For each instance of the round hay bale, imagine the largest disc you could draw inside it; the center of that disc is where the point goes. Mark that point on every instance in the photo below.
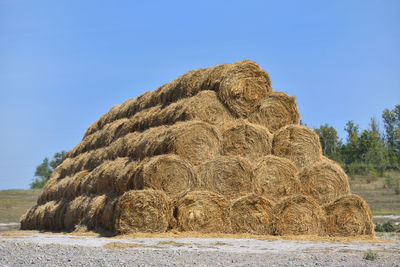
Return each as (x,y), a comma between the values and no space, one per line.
(244,87)
(251,214)
(325,181)
(276,177)
(349,216)
(96,207)
(298,215)
(241,138)
(143,211)
(194,141)
(76,211)
(276,111)
(227,175)
(203,211)
(205,106)
(297,143)
(105,220)
(168,173)
(28,220)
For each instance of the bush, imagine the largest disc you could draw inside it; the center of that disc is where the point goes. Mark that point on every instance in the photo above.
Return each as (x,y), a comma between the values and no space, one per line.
(384,227)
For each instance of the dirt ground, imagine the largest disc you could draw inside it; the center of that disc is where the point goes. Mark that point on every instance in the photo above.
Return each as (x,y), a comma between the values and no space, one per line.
(55,249)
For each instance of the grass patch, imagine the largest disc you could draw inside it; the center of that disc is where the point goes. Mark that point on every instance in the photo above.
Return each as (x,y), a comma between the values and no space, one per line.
(370,255)
(384,212)
(14,203)
(172,243)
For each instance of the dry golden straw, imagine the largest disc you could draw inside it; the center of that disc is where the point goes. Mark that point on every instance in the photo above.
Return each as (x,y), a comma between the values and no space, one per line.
(203,211)
(276,111)
(298,215)
(276,177)
(143,211)
(227,175)
(241,138)
(325,181)
(349,216)
(251,214)
(297,143)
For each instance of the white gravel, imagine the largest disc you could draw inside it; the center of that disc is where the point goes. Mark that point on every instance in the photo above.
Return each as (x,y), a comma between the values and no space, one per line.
(43,249)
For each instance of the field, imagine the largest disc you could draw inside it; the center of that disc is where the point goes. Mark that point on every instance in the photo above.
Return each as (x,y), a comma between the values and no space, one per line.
(14,203)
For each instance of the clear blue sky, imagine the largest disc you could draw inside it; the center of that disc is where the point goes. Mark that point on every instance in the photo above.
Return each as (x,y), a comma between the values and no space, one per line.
(65,63)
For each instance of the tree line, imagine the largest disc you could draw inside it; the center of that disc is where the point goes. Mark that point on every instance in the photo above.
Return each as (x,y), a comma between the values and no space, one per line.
(365,151)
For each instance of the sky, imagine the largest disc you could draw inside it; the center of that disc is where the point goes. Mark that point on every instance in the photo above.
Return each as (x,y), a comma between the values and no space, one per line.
(65,63)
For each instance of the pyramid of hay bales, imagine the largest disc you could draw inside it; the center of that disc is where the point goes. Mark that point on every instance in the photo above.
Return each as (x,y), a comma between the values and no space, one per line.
(214,151)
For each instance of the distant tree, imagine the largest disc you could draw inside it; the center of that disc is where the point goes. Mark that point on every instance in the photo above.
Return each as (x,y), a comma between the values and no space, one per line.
(391,122)
(329,141)
(351,149)
(44,170)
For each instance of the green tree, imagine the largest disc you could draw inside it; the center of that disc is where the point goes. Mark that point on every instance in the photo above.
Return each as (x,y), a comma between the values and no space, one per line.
(44,170)
(329,141)
(391,122)
(351,148)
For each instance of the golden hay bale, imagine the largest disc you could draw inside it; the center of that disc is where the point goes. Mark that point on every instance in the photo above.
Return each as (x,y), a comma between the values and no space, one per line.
(50,216)
(106,217)
(251,214)
(244,87)
(76,211)
(297,143)
(298,215)
(203,211)
(349,216)
(324,180)
(276,111)
(241,138)
(110,177)
(96,207)
(122,147)
(276,177)
(143,211)
(230,176)
(28,219)
(194,141)
(168,173)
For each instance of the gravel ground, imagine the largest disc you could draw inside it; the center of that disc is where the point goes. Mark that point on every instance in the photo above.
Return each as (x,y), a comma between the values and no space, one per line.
(43,249)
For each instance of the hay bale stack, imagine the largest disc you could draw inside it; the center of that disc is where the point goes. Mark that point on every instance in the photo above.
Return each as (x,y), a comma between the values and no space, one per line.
(277,177)
(241,138)
(216,141)
(230,176)
(203,211)
(349,216)
(277,110)
(297,143)
(298,215)
(325,181)
(143,211)
(251,214)
(168,173)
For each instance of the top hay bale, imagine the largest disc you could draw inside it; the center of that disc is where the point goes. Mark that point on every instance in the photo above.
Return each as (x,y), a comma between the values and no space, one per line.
(241,86)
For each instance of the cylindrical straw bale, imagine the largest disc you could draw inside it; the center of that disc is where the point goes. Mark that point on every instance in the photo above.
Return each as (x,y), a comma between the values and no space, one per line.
(105,220)
(276,111)
(251,214)
(349,216)
(203,211)
(325,181)
(298,215)
(143,211)
(168,173)
(276,177)
(28,220)
(76,211)
(241,138)
(194,141)
(244,87)
(297,143)
(227,175)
